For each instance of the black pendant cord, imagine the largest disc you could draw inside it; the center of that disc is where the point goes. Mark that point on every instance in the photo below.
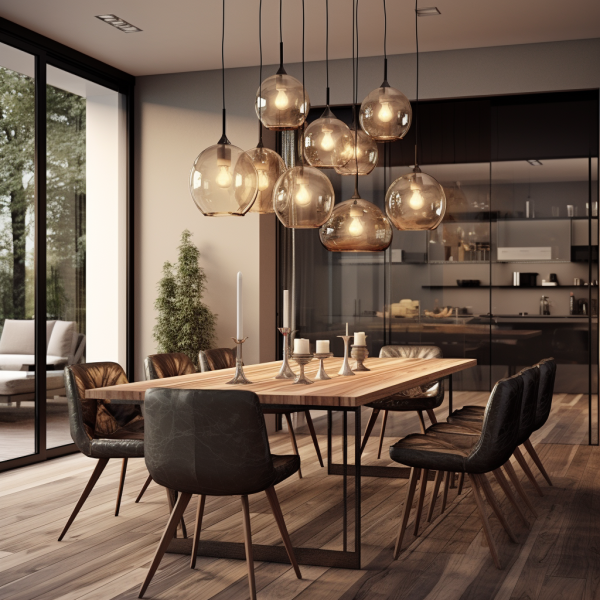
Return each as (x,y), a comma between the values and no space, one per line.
(355,99)
(417,100)
(301,153)
(281,69)
(223,139)
(385,81)
(260,135)
(327,49)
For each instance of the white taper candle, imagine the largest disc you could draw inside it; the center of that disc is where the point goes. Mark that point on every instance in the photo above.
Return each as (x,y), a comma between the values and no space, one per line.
(286,308)
(240,319)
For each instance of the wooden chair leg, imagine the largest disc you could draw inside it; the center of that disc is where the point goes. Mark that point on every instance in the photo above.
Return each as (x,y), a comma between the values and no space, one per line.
(369,429)
(167,536)
(412,486)
(421,421)
(121,484)
(461,482)
(501,479)
(514,478)
(436,488)
(293,440)
(523,464)
(422,490)
(313,435)
(484,520)
(197,529)
(446,488)
(172,500)
(536,459)
(144,488)
(382,434)
(276,510)
(100,465)
(248,544)
(489,495)
(431,416)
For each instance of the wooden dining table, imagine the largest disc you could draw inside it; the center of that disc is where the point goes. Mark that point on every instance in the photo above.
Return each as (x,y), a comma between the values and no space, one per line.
(347,394)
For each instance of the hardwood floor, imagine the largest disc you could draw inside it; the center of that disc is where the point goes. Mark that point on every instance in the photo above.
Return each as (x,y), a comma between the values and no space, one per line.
(105,557)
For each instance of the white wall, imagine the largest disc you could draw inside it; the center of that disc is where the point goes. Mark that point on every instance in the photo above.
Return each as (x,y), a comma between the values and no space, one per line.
(179,115)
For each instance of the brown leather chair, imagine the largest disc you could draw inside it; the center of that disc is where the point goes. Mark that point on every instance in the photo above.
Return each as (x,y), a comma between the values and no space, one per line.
(101,430)
(224,358)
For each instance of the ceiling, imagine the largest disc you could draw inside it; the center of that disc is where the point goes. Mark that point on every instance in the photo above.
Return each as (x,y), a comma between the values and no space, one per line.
(184,35)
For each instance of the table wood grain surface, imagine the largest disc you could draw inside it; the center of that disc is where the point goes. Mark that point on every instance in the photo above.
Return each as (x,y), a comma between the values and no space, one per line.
(387,376)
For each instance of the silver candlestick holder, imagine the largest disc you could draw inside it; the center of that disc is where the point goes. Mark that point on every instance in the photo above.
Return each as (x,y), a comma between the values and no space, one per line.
(302,360)
(322,375)
(239,378)
(286,371)
(346,371)
(359,354)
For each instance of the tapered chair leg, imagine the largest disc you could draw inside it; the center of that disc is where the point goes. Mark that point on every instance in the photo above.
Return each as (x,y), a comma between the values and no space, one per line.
(369,429)
(276,510)
(248,544)
(484,520)
(293,440)
(167,536)
(382,434)
(421,421)
(523,464)
(412,486)
(499,475)
(172,501)
(536,459)
(431,416)
(461,482)
(422,490)
(489,495)
(313,435)
(514,478)
(121,484)
(446,488)
(144,488)
(436,488)
(100,465)
(197,529)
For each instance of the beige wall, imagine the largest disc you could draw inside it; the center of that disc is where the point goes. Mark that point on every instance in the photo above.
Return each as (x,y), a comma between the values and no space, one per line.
(178,115)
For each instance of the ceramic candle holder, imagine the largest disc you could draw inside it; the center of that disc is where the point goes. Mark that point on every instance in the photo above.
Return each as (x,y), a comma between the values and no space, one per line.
(359,354)
(302,360)
(346,371)
(321,374)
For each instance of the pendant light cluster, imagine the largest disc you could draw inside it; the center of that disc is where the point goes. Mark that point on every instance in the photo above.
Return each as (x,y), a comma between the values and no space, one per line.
(227,181)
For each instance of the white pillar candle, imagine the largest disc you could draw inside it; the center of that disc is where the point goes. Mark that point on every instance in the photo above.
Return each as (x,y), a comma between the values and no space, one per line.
(360,339)
(322,346)
(346,328)
(240,322)
(301,346)
(286,308)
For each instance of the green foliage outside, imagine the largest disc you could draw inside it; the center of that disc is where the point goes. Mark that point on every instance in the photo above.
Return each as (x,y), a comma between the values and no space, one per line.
(184,323)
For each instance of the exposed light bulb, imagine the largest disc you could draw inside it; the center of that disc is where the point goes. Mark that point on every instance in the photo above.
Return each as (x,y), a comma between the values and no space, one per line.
(281,102)
(263,178)
(224,178)
(385,112)
(302,195)
(327,142)
(356,227)
(416,201)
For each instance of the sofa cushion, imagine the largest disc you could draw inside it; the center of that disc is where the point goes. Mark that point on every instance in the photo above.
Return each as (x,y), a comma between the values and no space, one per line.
(23,382)
(61,340)
(18,336)
(22,362)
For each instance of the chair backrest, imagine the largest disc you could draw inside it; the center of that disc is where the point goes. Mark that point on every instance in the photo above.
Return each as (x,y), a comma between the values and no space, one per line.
(410,352)
(88,418)
(500,430)
(211,442)
(531,384)
(546,391)
(159,366)
(217,358)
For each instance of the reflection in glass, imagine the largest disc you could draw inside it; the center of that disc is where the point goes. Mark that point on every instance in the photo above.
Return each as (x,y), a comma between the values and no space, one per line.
(269,167)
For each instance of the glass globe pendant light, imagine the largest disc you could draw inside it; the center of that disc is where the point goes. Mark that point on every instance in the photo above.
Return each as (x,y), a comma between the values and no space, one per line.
(356,225)
(268,164)
(281,100)
(385,113)
(416,201)
(223,180)
(326,139)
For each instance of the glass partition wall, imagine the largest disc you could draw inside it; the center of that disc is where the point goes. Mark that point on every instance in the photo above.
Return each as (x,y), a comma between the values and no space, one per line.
(508,278)
(63,238)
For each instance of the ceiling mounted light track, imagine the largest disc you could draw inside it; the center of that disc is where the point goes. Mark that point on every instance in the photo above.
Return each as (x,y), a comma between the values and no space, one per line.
(120,24)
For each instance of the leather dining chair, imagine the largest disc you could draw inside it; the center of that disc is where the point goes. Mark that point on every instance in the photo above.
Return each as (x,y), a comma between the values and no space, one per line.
(101,430)
(224,358)
(213,443)
(422,398)
(497,442)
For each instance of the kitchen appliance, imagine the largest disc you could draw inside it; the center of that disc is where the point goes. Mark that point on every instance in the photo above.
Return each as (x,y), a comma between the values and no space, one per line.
(527,279)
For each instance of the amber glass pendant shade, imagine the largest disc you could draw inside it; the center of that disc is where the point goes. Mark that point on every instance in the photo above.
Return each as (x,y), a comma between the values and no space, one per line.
(356,225)
(282,103)
(269,168)
(415,202)
(365,148)
(386,114)
(303,198)
(325,141)
(223,181)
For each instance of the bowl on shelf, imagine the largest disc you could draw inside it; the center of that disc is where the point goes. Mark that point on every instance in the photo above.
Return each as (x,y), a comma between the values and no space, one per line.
(468,282)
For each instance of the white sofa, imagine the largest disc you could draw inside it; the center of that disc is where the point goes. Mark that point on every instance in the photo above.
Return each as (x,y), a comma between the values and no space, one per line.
(65,346)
